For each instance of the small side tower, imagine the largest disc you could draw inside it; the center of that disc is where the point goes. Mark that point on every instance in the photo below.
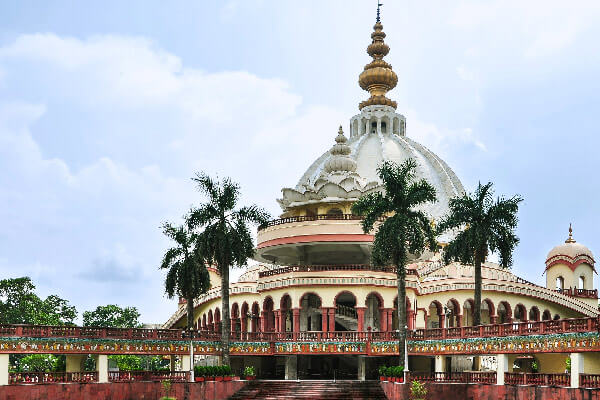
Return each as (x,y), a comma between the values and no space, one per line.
(570,268)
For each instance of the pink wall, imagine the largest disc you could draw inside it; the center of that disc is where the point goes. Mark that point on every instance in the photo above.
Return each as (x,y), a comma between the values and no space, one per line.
(120,391)
(460,391)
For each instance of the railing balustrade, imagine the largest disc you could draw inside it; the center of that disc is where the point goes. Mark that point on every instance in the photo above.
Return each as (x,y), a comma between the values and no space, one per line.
(15,378)
(496,330)
(128,376)
(584,293)
(589,380)
(333,267)
(308,218)
(537,379)
(454,377)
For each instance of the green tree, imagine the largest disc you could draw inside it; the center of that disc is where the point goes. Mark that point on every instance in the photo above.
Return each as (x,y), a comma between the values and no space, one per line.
(187,275)
(40,363)
(405,231)
(112,315)
(20,305)
(485,225)
(226,240)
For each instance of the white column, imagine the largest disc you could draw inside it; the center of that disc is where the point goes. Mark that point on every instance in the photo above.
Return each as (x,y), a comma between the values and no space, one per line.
(4,369)
(102,367)
(185,362)
(362,368)
(379,126)
(576,368)
(501,368)
(440,363)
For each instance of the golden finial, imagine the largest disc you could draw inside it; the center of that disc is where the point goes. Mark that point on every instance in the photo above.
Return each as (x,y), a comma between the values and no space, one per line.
(570,238)
(378,78)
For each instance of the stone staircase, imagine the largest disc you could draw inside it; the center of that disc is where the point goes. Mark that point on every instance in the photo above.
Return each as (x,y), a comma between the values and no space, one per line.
(313,390)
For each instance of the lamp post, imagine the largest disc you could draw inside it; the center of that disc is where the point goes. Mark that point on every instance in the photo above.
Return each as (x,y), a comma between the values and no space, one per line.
(191,334)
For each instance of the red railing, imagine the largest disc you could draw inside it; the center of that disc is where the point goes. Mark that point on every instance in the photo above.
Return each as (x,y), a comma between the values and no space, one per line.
(308,218)
(321,268)
(537,379)
(585,293)
(454,377)
(128,376)
(497,330)
(589,380)
(16,378)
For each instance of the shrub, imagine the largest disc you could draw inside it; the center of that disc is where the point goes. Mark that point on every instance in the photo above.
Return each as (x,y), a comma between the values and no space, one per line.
(249,371)
(418,391)
(382,370)
(199,371)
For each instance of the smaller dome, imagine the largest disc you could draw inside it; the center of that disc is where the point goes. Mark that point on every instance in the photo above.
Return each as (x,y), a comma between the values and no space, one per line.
(340,151)
(570,253)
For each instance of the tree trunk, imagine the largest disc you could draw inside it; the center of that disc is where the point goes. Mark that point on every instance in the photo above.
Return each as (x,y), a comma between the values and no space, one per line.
(401,280)
(190,311)
(477,300)
(225,321)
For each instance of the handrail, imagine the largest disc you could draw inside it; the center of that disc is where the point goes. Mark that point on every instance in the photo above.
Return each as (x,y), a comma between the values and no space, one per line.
(319,217)
(584,293)
(569,325)
(333,267)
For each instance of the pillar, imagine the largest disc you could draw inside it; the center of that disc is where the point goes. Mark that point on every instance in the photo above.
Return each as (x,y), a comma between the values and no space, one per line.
(75,362)
(244,326)
(277,318)
(360,311)
(331,319)
(501,368)
(459,320)
(102,368)
(362,368)
(291,367)
(378,125)
(324,319)
(263,321)
(442,319)
(410,320)
(296,315)
(576,368)
(390,316)
(383,320)
(282,320)
(185,362)
(172,363)
(493,319)
(4,369)
(253,323)
(440,363)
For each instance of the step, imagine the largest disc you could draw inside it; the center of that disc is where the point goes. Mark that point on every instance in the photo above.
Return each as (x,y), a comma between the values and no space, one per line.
(325,390)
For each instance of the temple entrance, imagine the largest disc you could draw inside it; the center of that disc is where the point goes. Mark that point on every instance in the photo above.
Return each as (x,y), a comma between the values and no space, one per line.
(324,367)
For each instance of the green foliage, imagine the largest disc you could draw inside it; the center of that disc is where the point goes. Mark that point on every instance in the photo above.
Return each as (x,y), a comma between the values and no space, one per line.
(226,240)
(484,225)
(418,391)
(406,230)
(249,371)
(112,316)
(20,305)
(568,364)
(187,275)
(40,363)
(223,370)
(534,366)
(166,385)
(382,370)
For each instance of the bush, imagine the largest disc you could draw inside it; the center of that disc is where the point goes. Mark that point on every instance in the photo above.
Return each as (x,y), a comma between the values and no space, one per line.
(417,390)
(249,371)
(382,370)
(199,371)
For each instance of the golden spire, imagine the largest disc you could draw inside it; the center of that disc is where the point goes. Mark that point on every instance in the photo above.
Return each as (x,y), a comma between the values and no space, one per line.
(570,238)
(378,78)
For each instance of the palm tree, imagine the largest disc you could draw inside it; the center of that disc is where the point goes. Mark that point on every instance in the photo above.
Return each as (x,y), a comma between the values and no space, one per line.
(486,225)
(187,276)
(226,241)
(405,231)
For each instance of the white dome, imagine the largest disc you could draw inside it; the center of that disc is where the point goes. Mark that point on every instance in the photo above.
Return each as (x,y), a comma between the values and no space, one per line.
(369,151)
(571,250)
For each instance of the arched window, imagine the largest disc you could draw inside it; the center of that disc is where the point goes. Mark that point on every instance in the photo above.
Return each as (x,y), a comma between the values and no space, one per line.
(560,283)
(556,317)
(582,282)
(547,316)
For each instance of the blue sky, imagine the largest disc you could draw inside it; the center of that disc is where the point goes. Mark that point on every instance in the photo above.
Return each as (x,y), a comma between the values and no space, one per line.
(108,108)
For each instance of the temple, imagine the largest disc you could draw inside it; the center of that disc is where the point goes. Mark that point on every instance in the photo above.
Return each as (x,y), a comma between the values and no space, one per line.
(314,305)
